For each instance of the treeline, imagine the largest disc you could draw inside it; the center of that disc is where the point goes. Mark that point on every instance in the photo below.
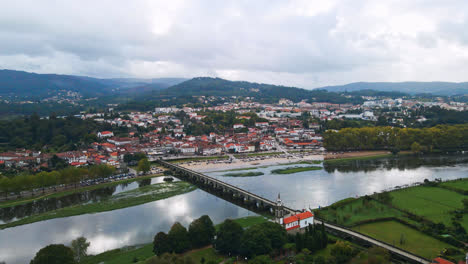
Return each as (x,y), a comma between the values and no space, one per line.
(52,135)
(44,179)
(231,239)
(438,138)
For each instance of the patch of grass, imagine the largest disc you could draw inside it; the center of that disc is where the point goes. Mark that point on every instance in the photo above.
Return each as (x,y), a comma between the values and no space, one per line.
(290,170)
(346,160)
(414,241)
(122,255)
(244,174)
(208,253)
(59,194)
(248,221)
(457,185)
(352,213)
(432,203)
(130,198)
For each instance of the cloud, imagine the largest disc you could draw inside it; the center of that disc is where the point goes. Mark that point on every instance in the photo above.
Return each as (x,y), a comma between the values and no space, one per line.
(305,43)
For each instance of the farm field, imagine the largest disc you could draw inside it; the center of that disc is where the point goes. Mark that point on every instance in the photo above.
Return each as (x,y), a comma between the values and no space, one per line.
(461,184)
(433,203)
(404,237)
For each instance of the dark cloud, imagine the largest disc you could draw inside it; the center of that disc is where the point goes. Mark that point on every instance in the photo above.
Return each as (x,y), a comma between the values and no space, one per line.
(305,43)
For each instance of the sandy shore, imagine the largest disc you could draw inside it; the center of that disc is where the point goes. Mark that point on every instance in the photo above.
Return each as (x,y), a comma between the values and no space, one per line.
(203,166)
(354,154)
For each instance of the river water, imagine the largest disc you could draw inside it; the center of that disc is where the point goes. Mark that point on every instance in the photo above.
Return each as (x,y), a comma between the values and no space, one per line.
(139,224)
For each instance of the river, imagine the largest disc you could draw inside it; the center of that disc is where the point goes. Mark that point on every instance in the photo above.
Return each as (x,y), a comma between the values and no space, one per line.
(139,224)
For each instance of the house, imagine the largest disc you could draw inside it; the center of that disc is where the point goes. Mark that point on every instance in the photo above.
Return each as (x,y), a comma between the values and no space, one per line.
(105,134)
(75,157)
(298,221)
(237,126)
(261,124)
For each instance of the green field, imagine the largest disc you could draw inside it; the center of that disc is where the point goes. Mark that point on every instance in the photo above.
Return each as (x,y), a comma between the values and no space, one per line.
(414,241)
(291,170)
(357,211)
(432,203)
(346,160)
(72,191)
(459,185)
(130,198)
(244,174)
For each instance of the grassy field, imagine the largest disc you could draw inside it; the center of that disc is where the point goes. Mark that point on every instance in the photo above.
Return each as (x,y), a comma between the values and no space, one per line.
(244,174)
(208,253)
(357,211)
(346,160)
(414,241)
(72,191)
(432,203)
(130,198)
(290,170)
(461,184)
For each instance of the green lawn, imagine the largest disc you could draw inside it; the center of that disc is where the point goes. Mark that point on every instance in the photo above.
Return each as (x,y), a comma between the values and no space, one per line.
(431,202)
(461,184)
(291,170)
(122,255)
(358,211)
(130,198)
(415,241)
(244,174)
(72,191)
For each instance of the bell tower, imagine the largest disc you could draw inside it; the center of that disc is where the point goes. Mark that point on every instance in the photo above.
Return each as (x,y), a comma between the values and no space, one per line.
(279,211)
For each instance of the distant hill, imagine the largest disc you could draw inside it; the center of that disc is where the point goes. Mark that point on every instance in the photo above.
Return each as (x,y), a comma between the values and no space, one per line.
(208,86)
(436,88)
(25,84)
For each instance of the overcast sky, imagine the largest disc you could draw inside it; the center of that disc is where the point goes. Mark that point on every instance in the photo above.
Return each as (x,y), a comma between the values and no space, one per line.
(299,43)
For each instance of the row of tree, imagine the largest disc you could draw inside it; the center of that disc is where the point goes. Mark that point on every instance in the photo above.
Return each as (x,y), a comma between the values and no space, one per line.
(441,137)
(68,175)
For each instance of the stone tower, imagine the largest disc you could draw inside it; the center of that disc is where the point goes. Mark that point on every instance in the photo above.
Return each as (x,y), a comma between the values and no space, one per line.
(279,211)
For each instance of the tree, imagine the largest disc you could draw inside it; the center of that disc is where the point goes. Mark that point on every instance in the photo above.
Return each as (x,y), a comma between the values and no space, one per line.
(228,237)
(342,251)
(144,165)
(54,254)
(178,238)
(80,248)
(161,244)
(416,147)
(254,242)
(201,232)
(262,259)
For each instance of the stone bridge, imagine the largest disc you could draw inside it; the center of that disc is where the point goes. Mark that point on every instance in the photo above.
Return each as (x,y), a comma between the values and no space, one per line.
(280,210)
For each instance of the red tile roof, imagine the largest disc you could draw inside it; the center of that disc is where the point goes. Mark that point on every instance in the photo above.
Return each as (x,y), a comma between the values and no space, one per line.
(441,261)
(301,216)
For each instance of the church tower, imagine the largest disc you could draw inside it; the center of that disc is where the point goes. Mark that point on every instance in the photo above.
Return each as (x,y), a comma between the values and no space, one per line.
(279,211)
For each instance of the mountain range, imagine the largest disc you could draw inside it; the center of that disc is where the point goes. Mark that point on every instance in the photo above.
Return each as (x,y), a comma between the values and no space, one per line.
(25,84)
(436,88)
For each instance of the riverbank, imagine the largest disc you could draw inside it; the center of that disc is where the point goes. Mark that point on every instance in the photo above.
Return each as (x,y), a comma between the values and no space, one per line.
(79,189)
(244,164)
(425,220)
(130,198)
(142,252)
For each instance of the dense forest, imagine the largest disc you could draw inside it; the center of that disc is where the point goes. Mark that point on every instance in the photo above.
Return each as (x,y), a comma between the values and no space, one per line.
(51,135)
(438,138)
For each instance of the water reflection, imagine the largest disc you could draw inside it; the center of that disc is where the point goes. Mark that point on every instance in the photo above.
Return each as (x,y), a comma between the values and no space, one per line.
(20,211)
(114,229)
(324,187)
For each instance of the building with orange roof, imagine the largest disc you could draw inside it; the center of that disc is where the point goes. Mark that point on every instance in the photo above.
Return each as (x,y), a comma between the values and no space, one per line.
(298,221)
